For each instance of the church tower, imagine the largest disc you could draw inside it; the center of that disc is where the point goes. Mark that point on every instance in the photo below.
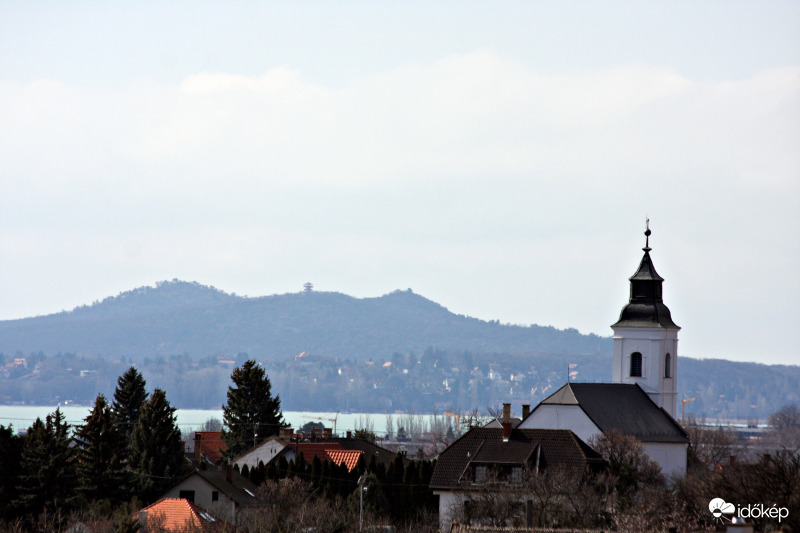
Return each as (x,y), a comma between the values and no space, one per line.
(646,338)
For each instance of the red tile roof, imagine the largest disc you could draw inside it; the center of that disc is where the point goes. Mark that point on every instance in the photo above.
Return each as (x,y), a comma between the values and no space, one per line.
(348,457)
(179,514)
(210,444)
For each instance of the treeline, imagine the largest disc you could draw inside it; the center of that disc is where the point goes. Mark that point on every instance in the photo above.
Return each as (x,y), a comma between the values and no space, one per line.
(437,379)
(126,452)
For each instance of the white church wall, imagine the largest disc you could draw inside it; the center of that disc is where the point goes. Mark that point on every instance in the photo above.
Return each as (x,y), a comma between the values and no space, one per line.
(561,417)
(671,456)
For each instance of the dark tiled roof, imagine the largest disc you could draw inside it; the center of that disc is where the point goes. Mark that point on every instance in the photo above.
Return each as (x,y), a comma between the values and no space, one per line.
(485,446)
(626,408)
(239,489)
(326,448)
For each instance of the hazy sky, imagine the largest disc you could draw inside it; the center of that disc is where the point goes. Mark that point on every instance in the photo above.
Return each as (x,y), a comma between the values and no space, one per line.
(499,158)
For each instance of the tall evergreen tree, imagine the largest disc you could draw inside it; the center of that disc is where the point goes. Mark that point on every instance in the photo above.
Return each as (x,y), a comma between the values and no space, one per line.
(100,455)
(47,477)
(251,413)
(156,449)
(10,450)
(129,396)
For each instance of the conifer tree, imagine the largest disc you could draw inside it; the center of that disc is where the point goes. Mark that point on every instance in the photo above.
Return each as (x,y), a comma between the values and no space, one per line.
(100,456)
(10,450)
(251,413)
(129,396)
(47,477)
(156,450)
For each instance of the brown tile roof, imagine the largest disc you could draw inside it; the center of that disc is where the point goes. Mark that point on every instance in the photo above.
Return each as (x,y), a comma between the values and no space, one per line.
(210,444)
(179,514)
(486,446)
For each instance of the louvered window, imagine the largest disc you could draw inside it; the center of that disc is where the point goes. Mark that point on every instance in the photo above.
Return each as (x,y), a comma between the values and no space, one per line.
(636,365)
(668,366)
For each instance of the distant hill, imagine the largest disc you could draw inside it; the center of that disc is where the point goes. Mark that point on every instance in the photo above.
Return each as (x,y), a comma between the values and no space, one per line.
(397,351)
(179,317)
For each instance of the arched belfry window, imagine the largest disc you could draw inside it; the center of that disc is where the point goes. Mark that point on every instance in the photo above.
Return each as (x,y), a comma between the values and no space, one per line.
(668,366)
(636,365)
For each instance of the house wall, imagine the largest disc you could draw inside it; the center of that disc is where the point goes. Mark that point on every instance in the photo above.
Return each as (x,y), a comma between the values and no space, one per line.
(448,501)
(225,508)
(263,453)
(561,417)
(670,455)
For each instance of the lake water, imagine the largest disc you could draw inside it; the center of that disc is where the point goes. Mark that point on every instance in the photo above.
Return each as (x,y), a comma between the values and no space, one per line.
(22,416)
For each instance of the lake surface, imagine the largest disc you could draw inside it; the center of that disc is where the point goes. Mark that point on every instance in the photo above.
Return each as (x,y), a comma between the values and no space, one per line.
(22,416)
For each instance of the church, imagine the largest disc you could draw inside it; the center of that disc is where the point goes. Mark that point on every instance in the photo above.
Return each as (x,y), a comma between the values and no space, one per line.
(641,400)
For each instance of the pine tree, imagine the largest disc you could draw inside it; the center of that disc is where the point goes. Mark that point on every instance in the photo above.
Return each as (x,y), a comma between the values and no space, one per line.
(10,451)
(156,449)
(47,477)
(100,456)
(251,413)
(128,399)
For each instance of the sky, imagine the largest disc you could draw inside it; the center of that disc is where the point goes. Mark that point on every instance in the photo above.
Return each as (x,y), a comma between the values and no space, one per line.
(499,158)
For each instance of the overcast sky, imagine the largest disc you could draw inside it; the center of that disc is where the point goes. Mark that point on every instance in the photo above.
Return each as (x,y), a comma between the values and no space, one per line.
(498,158)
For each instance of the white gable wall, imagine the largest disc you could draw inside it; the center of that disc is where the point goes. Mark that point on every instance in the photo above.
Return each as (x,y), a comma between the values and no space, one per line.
(561,417)
(264,453)
(224,507)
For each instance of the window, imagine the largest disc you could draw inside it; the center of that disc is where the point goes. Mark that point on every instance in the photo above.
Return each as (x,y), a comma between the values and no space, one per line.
(214,496)
(668,366)
(480,474)
(187,495)
(516,474)
(636,365)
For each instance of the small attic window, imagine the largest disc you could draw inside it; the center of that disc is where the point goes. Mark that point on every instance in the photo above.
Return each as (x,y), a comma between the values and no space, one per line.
(668,366)
(636,365)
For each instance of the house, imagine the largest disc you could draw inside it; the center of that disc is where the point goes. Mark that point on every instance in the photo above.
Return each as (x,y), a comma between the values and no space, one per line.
(495,457)
(347,450)
(265,451)
(177,514)
(641,400)
(222,492)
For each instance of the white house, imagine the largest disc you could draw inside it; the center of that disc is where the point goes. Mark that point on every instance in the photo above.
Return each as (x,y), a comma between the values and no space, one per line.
(222,492)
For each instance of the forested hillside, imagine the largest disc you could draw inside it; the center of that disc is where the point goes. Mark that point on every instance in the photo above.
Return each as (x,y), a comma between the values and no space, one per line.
(179,317)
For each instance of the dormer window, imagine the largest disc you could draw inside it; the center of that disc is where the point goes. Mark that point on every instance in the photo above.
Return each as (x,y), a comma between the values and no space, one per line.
(480,474)
(636,365)
(668,366)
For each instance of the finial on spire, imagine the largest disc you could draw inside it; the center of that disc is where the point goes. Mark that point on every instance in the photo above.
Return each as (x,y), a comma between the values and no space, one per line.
(647,233)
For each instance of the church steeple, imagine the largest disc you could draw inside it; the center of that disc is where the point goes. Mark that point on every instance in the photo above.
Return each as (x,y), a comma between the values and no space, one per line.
(646,338)
(645,308)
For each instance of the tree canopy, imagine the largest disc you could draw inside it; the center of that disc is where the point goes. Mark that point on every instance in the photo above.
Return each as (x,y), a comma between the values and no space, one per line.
(251,413)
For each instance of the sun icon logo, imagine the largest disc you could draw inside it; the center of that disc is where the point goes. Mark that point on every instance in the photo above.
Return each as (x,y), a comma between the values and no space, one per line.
(720,507)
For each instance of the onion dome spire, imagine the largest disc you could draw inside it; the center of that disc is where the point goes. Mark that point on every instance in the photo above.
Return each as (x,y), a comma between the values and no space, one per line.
(646,307)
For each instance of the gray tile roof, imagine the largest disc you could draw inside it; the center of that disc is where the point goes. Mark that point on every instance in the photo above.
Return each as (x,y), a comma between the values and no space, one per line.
(626,408)
(485,446)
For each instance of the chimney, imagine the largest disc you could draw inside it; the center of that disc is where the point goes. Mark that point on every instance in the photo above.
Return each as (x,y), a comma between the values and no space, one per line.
(229,474)
(143,518)
(349,434)
(327,432)
(506,421)
(285,434)
(526,410)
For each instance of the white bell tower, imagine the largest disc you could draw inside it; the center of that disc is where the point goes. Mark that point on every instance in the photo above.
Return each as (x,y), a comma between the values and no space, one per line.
(646,338)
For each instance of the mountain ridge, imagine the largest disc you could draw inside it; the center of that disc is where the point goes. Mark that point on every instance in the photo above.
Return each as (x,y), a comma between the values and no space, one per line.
(187,317)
